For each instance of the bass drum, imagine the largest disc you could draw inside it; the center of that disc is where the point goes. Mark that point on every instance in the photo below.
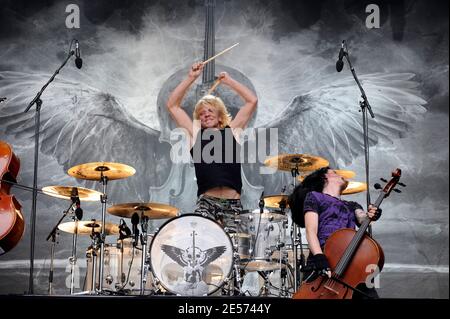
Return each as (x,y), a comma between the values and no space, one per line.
(191,255)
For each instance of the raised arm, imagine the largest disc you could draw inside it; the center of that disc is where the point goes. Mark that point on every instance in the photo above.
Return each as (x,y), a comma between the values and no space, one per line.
(176,97)
(245,113)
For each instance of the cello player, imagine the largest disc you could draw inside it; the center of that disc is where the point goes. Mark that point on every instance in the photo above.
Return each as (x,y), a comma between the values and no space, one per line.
(316,204)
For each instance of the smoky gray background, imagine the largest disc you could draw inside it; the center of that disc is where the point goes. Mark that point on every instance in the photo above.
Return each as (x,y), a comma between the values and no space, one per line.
(287,49)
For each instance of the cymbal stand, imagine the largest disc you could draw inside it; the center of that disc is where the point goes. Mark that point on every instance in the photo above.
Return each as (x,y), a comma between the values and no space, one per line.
(144,226)
(237,285)
(284,261)
(296,239)
(283,254)
(265,289)
(73,258)
(104,199)
(96,237)
(52,235)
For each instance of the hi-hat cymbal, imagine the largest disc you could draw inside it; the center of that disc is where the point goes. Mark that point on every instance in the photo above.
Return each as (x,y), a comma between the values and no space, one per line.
(85,227)
(344,173)
(151,210)
(304,162)
(65,192)
(274,201)
(94,171)
(355,187)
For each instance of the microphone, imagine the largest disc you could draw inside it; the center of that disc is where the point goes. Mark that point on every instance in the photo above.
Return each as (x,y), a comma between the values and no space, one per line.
(261,203)
(78,60)
(124,231)
(76,200)
(78,211)
(340,62)
(135,222)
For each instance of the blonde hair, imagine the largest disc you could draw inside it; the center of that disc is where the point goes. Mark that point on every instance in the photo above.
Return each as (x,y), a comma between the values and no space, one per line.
(217,103)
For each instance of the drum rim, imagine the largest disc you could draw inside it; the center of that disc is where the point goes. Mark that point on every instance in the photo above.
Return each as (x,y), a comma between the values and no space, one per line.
(285,215)
(190,215)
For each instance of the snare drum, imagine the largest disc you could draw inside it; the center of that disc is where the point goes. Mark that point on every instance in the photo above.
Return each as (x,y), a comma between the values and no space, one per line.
(268,235)
(191,255)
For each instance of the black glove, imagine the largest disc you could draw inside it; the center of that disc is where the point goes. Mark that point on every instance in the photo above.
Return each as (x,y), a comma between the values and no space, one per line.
(317,263)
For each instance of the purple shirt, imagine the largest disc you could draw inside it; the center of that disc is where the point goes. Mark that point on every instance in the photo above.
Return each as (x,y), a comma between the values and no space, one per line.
(334,214)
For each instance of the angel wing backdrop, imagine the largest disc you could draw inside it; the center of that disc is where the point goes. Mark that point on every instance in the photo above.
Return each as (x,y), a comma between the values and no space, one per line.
(108,110)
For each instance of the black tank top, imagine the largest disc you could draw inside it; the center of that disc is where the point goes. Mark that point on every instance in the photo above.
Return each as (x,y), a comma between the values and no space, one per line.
(216,156)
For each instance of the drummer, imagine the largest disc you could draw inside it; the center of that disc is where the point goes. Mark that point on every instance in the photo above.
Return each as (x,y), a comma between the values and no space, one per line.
(218,172)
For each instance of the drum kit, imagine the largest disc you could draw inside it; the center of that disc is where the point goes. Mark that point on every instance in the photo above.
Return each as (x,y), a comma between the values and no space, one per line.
(189,255)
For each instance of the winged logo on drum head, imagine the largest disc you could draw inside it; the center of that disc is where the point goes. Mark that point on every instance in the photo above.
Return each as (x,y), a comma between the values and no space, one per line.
(193,259)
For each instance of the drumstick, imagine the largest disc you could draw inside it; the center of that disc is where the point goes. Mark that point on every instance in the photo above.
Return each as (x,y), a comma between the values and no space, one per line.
(219,54)
(215,85)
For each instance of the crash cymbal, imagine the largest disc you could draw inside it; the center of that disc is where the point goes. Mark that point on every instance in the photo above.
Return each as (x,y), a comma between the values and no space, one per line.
(85,227)
(274,201)
(304,162)
(352,187)
(355,187)
(344,173)
(151,210)
(94,171)
(65,192)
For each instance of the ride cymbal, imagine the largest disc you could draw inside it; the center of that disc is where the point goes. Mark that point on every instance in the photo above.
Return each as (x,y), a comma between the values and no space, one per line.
(86,227)
(65,192)
(302,162)
(94,171)
(151,210)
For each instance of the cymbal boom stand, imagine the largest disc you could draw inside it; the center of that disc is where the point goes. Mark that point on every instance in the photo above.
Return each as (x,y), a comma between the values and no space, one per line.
(104,199)
(296,239)
(73,258)
(144,226)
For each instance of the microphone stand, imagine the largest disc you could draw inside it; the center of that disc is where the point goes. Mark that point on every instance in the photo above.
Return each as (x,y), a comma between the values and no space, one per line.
(52,235)
(37,100)
(365,106)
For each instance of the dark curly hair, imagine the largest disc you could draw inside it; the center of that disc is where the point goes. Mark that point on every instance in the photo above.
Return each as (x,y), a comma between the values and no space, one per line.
(313,182)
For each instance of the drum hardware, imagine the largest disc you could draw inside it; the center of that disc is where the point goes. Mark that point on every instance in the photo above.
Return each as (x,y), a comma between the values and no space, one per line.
(295,232)
(144,265)
(236,269)
(102,172)
(265,289)
(124,280)
(283,275)
(93,229)
(95,237)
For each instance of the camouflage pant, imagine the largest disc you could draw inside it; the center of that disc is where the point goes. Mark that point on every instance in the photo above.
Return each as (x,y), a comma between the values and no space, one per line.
(221,210)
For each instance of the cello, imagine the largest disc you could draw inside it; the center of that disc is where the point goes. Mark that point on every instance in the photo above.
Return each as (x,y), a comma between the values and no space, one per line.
(349,253)
(12,223)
